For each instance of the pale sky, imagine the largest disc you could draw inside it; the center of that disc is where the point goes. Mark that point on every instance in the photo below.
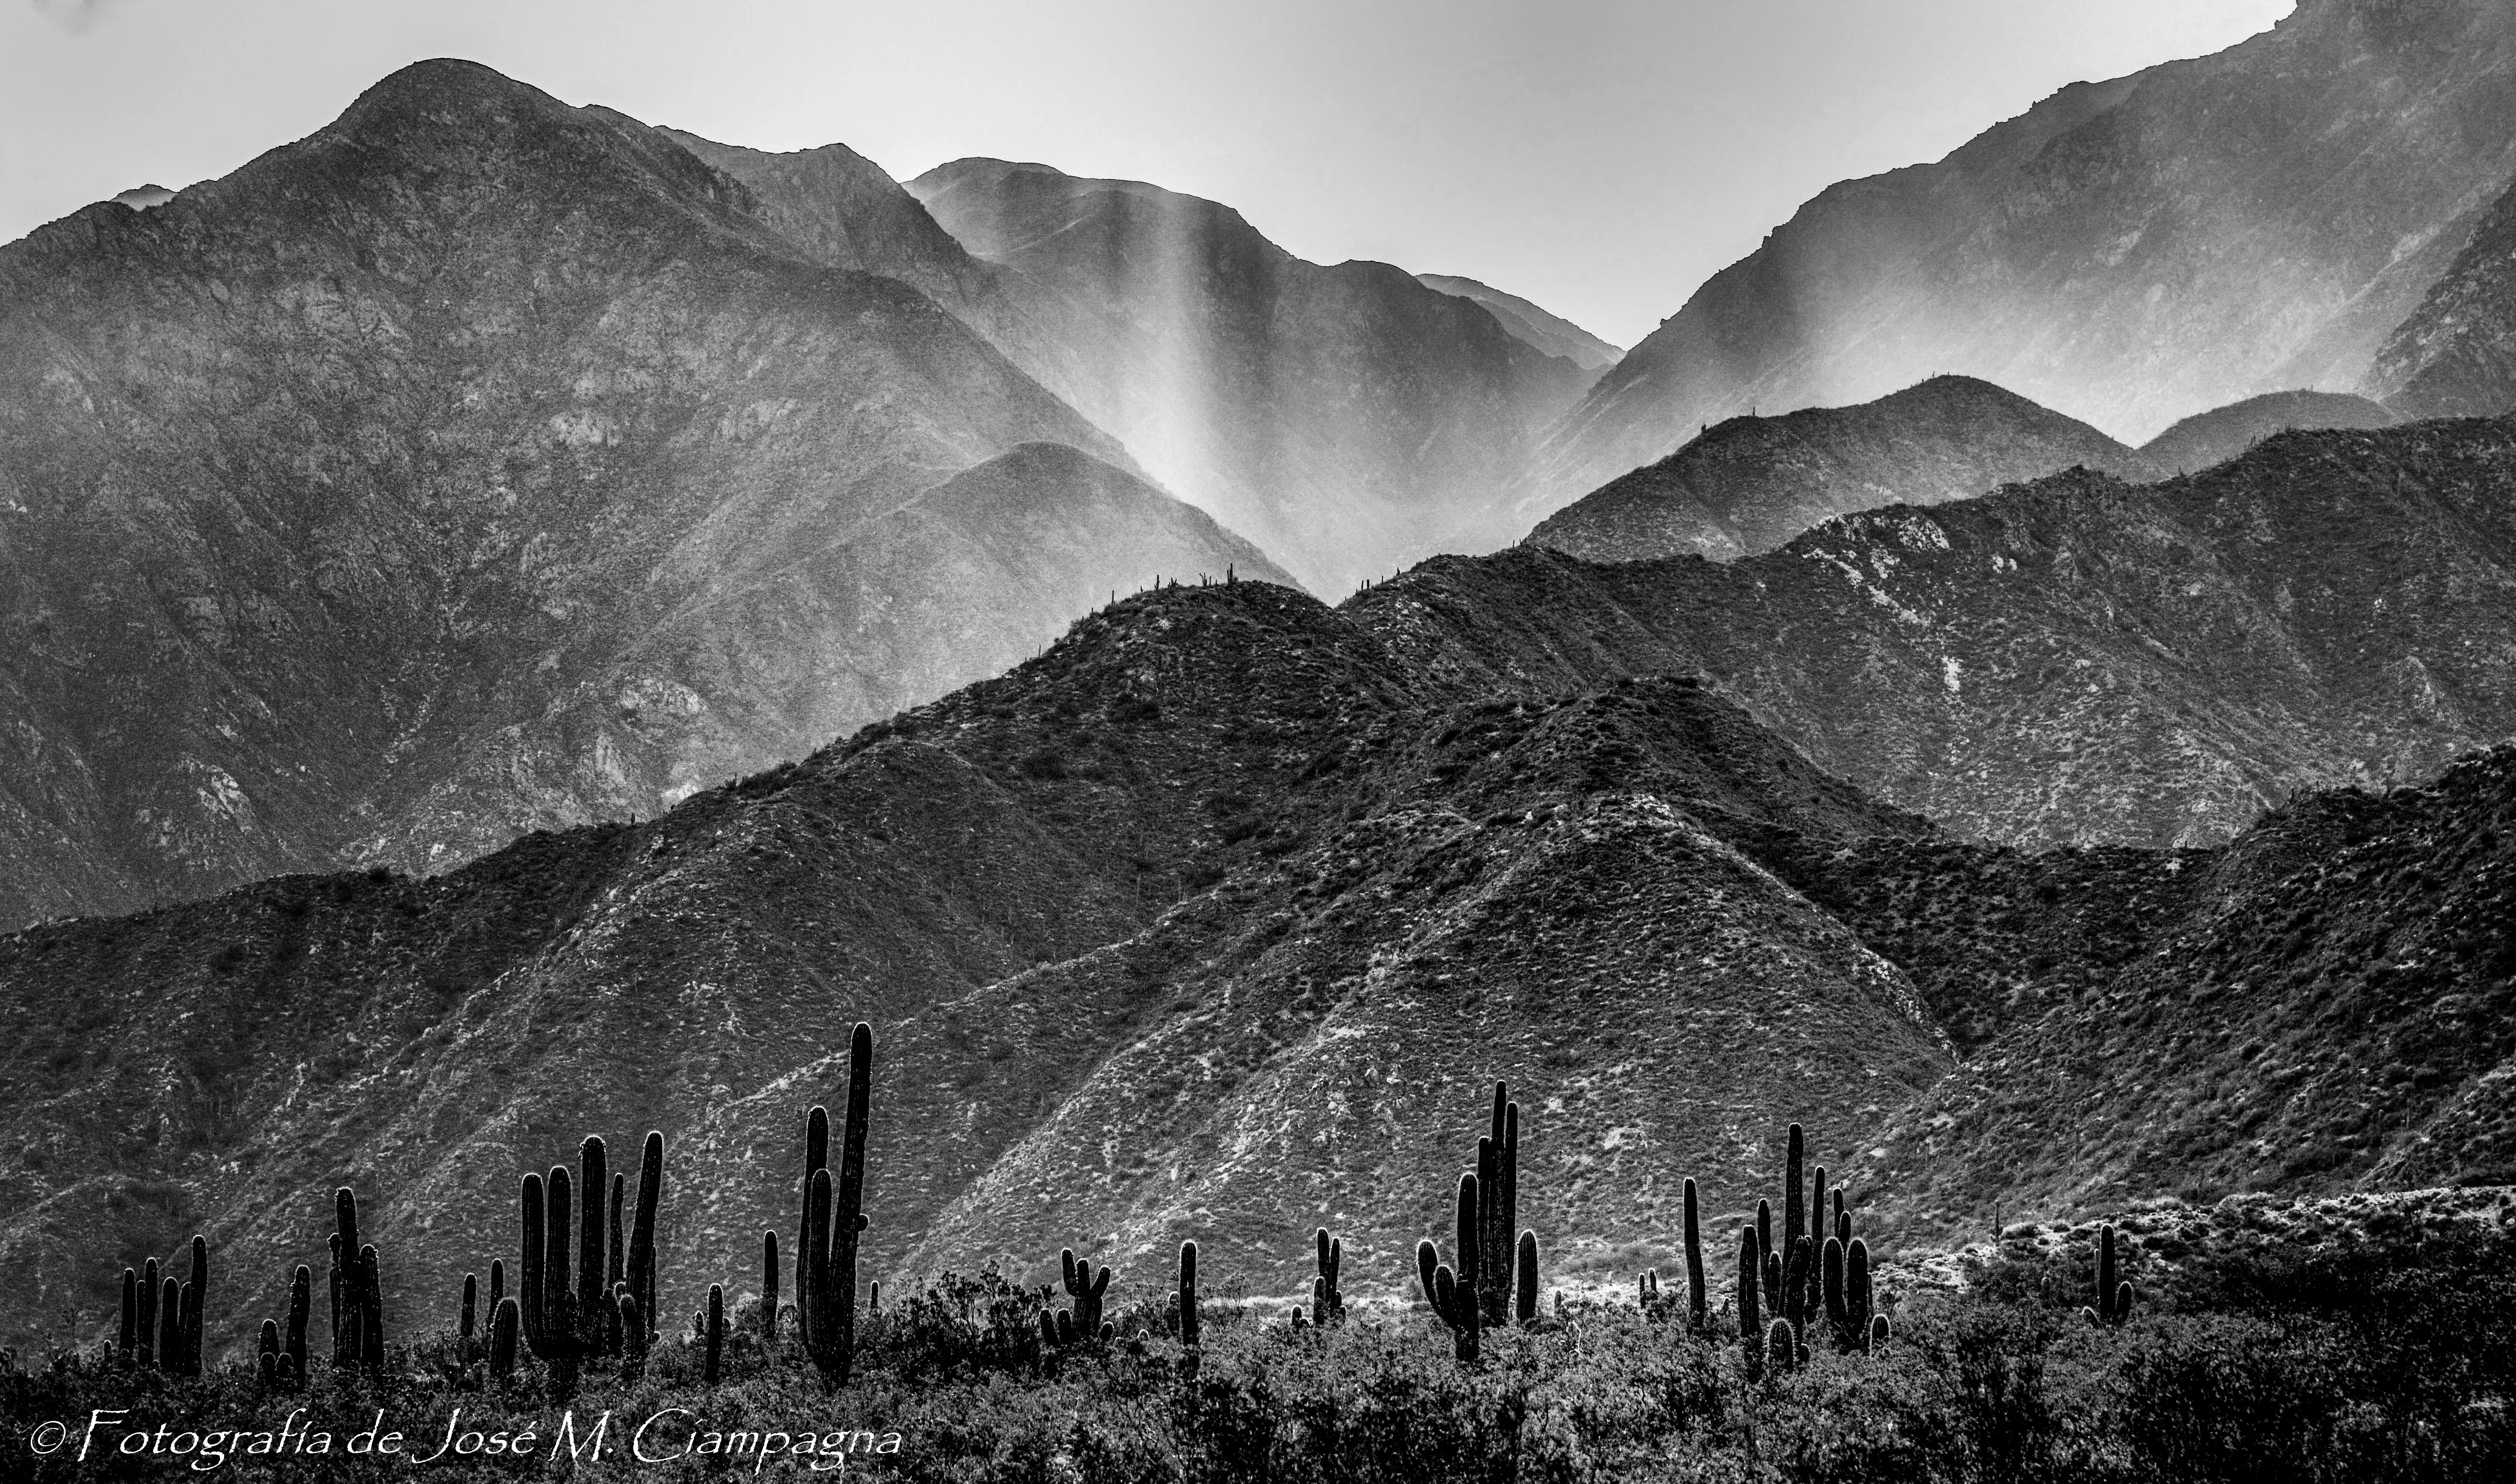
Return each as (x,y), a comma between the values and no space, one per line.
(1602,158)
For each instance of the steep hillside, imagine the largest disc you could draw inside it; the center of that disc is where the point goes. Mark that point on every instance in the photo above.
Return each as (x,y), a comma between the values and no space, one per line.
(2074,661)
(1551,333)
(2223,433)
(480,464)
(1179,922)
(1215,920)
(1348,419)
(1753,483)
(2456,355)
(2136,250)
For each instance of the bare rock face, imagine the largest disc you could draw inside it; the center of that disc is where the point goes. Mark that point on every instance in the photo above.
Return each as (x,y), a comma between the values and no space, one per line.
(2455,355)
(2221,433)
(480,464)
(2074,661)
(2135,251)
(1753,483)
(1347,417)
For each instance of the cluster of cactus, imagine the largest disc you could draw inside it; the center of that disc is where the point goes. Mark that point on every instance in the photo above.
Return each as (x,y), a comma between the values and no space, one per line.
(161,1324)
(833,1221)
(1495,1279)
(609,1308)
(1818,1274)
(1082,1323)
(2114,1294)
(1327,1300)
(357,1293)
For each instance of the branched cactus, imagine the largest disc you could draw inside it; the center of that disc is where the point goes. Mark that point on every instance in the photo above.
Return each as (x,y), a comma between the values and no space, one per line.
(1453,1292)
(1327,1300)
(834,1220)
(1085,1285)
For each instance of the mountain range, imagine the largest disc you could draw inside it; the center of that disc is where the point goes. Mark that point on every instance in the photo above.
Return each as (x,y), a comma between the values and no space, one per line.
(2131,251)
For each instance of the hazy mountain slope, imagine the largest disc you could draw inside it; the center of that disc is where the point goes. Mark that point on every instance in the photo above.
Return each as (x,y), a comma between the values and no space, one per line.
(1348,419)
(421,483)
(2456,355)
(1214,920)
(2223,433)
(2075,660)
(1551,333)
(2136,250)
(1753,483)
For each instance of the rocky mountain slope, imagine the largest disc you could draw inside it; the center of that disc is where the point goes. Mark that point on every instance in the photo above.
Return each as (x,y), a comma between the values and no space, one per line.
(1548,332)
(2223,433)
(2136,251)
(1753,483)
(1347,417)
(2073,661)
(2455,355)
(480,464)
(1215,920)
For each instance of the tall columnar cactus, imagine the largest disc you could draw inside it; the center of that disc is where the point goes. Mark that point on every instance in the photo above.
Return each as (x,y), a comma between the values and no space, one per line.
(1781,1346)
(1764,1233)
(768,1285)
(1876,1339)
(593,1293)
(553,1329)
(1524,1267)
(1856,1287)
(834,1221)
(641,1272)
(333,1273)
(148,1315)
(2113,1296)
(816,1158)
(1453,1292)
(1327,1297)
(266,1355)
(197,1294)
(301,1310)
(1186,1296)
(531,1222)
(1794,1161)
(1821,1225)
(615,1261)
(1694,1290)
(1838,1316)
(711,1371)
(371,1310)
(463,1332)
(498,1285)
(170,1325)
(1797,1284)
(1751,1265)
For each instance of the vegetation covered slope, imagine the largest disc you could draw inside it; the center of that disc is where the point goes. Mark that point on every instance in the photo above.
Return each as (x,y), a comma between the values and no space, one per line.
(478,464)
(2221,433)
(1753,483)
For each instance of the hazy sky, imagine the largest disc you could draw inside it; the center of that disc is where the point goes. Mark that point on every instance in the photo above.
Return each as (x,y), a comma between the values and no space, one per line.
(1599,156)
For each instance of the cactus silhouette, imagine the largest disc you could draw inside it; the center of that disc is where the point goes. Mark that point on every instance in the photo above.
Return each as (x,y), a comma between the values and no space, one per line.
(835,1220)
(1695,1294)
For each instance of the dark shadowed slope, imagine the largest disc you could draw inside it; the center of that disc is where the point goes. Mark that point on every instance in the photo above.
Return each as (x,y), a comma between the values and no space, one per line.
(1753,483)
(2075,660)
(1348,419)
(2135,251)
(1548,332)
(2223,433)
(476,464)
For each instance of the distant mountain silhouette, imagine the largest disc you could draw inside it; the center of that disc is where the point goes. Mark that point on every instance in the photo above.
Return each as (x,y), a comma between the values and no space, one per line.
(1550,333)
(2456,355)
(2223,433)
(1753,483)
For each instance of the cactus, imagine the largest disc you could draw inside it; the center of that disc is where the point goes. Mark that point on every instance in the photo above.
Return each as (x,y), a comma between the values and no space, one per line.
(502,1339)
(768,1285)
(1839,1317)
(300,1305)
(1794,1302)
(2113,1296)
(197,1295)
(188,1324)
(1794,1159)
(1781,1346)
(711,1369)
(816,1158)
(640,1273)
(1818,1220)
(1453,1294)
(531,1220)
(1326,1297)
(1751,1322)
(1764,1234)
(497,1281)
(266,1355)
(615,1261)
(636,1332)
(147,1314)
(372,1312)
(1876,1339)
(463,1344)
(1085,1287)
(1185,1299)
(170,1325)
(1856,1287)
(1773,1280)
(594,1179)
(555,1329)
(1695,1294)
(1525,1280)
(826,1273)
(1647,1292)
